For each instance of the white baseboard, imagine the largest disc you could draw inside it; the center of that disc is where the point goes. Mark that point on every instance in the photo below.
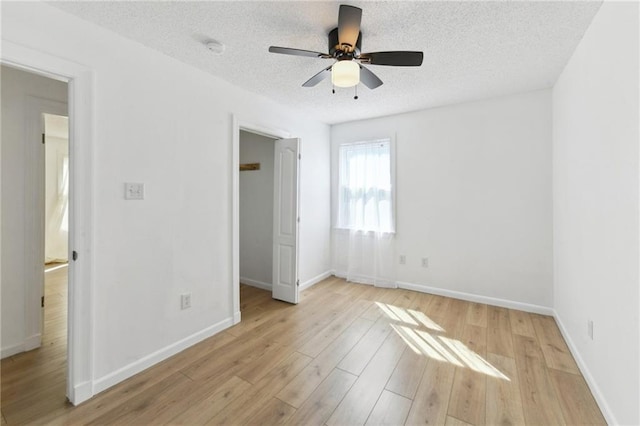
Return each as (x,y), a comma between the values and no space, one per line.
(315,280)
(12,350)
(493,301)
(32,342)
(304,285)
(255,283)
(29,343)
(364,279)
(237,317)
(80,393)
(593,386)
(135,367)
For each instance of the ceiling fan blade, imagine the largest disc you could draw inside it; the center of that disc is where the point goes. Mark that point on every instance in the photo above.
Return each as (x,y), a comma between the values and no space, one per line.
(297,52)
(397,59)
(349,19)
(318,77)
(369,79)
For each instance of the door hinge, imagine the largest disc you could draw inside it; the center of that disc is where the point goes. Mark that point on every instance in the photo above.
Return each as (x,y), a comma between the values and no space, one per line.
(74,255)
(298,283)
(299,155)
(42,302)
(43,137)
(298,220)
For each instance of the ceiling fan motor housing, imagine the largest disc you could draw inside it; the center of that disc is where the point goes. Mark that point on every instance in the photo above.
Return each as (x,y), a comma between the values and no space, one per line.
(346,53)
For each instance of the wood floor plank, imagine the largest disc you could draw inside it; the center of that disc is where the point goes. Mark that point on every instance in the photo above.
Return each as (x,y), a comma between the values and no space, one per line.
(499,337)
(380,296)
(455,318)
(391,409)
(250,402)
(324,399)
(539,400)
(305,383)
(474,339)
(227,359)
(468,392)
(432,398)
(438,306)
(576,401)
(274,412)
(166,405)
(255,370)
(452,421)
(131,409)
(503,401)
(555,350)
(407,299)
(323,339)
(25,377)
(406,377)
(277,314)
(297,329)
(521,323)
(477,314)
(37,404)
(468,396)
(363,395)
(205,409)
(357,359)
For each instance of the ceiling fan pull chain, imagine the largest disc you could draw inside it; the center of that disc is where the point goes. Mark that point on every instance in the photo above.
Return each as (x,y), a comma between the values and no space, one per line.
(356,96)
(333,89)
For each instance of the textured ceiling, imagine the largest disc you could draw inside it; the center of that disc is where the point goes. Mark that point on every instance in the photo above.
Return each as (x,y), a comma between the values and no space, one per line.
(472,50)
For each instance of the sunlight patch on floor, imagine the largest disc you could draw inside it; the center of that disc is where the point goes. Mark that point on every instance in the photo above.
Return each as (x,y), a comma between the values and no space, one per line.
(437,347)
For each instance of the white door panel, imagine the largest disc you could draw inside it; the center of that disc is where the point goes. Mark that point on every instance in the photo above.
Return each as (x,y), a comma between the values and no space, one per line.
(285,221)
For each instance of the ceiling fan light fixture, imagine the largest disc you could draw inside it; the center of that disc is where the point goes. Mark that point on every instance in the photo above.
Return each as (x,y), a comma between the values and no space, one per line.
(345,74)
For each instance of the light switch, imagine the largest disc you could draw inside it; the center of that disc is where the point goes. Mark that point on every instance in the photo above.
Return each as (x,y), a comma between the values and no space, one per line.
(133,191)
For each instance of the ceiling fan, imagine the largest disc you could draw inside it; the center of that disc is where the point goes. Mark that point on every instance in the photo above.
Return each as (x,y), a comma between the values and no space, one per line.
(345,43)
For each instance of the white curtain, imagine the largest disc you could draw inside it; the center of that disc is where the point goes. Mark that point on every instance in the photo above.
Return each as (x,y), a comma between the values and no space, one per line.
(363,243)
(57,226)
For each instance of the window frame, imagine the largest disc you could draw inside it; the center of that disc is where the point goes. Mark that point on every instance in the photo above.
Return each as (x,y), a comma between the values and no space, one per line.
(392,160)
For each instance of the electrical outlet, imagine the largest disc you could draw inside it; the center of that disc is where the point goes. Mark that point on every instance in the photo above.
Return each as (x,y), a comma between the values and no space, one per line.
(403,259)
(425,262)
(590,329)
(133,191)
(185,301)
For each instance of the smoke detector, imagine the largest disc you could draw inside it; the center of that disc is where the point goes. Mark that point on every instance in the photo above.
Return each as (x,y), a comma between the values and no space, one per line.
(215,46)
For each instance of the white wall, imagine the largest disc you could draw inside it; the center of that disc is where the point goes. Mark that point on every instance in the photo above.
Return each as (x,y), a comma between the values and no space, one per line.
(595,170)
(17,87)
(256,210)
(473,195)
(168,125)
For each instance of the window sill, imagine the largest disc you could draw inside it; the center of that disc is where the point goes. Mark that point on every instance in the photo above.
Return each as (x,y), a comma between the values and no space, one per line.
(361,231)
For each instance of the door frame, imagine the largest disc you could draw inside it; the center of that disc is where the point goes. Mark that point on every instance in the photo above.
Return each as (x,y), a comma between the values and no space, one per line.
(80,323)
(239,124)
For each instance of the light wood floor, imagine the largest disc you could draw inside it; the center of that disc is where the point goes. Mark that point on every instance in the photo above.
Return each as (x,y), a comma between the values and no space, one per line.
(348,354)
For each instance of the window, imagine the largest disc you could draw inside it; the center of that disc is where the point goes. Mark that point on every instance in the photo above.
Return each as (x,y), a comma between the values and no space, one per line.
(365,187)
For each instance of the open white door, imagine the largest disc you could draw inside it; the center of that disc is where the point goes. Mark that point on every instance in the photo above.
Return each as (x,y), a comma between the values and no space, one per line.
(285,221)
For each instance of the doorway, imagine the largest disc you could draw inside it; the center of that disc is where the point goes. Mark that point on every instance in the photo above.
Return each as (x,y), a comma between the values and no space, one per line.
(256,209)
(35,191)
(284,230)
(22,254)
